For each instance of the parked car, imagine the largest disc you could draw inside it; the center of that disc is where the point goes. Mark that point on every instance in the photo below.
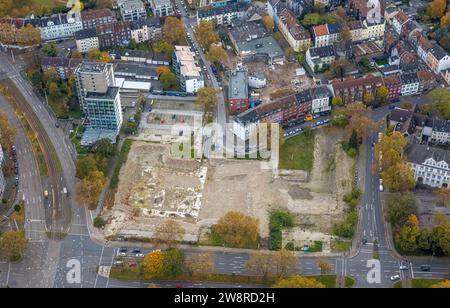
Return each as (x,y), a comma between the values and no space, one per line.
(319,122)
(136,250)
(326,121)
(425,268)
(140,255)
(403,267)
(308,118)
(123,249)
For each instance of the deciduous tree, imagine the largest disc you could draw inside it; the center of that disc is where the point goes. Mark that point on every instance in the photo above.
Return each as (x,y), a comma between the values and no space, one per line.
(260,263)
(85,166)
(442,195)
(94,54)
(13,244)
(164,47)
(88,190)
(437,8)
(173,30)
(440,99)
(7,132)
(207,97)
(200,263)
(153,265)
(407,236)
(285,263)
(399,206)
(162,70)
(169,232)
(399,177)
(368,98)
(168,80)
(382,94)
(337,101)
(217,54)
(268,22)
(299,282)
(205,34)
(442,285)
(325,267)
(237,230)
(173,262)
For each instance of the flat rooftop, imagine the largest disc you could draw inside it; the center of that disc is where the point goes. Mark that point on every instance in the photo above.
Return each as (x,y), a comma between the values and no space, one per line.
(92,67)
(238,86)
(265,46)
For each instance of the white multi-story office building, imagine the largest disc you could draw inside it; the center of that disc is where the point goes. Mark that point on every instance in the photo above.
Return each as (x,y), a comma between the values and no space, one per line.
(162,8)
(132,9)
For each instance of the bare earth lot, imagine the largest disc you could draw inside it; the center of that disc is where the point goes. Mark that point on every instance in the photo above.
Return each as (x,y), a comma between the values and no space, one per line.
(154,186)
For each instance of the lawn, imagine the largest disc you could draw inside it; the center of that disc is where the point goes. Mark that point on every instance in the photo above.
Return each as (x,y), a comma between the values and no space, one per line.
(423,283)
(340,246)
(349,282)
(328,280)
(297,152)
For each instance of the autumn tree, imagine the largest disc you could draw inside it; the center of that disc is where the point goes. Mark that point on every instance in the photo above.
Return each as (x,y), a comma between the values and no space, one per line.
(382,94)
(94,54)
(88,189)
(399,206)
(325,267)
(207,97)
(441,285)
(442,196)
(237,230)
(345,33)
(312,19)
(75,54)
(359,119)
(169,232)
(13,245)
(7,132)
(390,150)
(162,70)
(399,177)
(200,263)
(85,166)
(407,236)
(173,30)
(260,263)
(104,57)
(445,20)
(268,22)
(368,98)
(285,263)
(173,260)
(205,34)
(50,49)
(437,8)
(217,54)
(440,239)
(299,282)
(153,265)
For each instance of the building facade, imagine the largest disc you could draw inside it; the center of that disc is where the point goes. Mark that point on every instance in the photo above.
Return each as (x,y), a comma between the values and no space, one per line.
(162,8)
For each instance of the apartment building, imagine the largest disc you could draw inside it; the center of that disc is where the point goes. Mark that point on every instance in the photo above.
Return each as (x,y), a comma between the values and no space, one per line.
(353,89)
(222,14)
(318,57)
(86,39)
(114,34)
(162,8)
(438,59)
(187,69)
(93,18)
(297,36)
(132,10)
(57,26)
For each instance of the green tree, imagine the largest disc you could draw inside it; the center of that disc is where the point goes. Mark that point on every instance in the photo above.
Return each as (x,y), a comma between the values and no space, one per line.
(50,50)
(164,47)
(173,262)
(85,166)
(353,141)
(312,19)
(217,55)
(382,94)
(168,80)
(105,148)
(399,207)
(207,97)
(440,239)
(337,101)
(440,99)
(408,235)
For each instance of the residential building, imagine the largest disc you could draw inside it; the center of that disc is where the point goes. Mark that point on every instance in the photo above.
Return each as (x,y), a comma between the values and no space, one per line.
(353,89)
(427,80)
(65,66)
(430,165)
(441,131)
(238,98)
(86,39)
(222,14)
(162,8)
(144,30)
(297,36)
(320,36)
(438,59)
(399,20)
(100,101)
(114,34)
(187,69)
(132,10)
(140,56)
(334,32)
(446,76)
(410,84)
(422,45)
(318,57)
(394,84)
(57,27)
(93,18)
(253,42)
(373,30)
(356,29)
(274,7)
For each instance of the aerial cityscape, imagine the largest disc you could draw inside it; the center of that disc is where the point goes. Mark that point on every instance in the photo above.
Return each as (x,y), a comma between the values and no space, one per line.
(218,144)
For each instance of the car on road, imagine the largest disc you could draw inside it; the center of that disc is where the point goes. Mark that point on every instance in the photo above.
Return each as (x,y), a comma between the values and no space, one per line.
(319,122)
(308,118)
(364,240)
(123,249)
(395,278)
(122,254)
(326,121)
(57,125)
(403,267)
(139,255)
(136,250)
(381,188)
(17,181)
(316,116)
(425,268)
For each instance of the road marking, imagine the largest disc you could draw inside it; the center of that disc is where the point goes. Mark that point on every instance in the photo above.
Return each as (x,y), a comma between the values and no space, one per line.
(99,262)
(7,275)
(412,270)
(112,261)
